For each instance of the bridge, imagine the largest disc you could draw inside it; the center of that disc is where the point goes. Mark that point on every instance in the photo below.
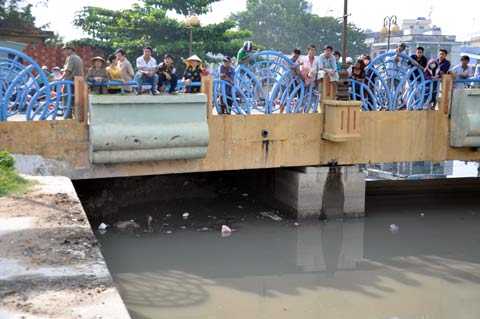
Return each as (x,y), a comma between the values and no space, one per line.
(275,121)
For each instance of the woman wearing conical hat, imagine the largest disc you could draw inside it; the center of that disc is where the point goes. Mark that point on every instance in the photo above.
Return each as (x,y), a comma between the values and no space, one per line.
(98,75)
(193,73)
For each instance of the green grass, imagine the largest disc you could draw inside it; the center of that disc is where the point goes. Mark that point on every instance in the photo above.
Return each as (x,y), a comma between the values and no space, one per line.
(12,183)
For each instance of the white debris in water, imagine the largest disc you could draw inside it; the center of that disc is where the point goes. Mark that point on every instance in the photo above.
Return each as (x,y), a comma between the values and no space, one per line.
(102,226)
(226,231)
(394,228)
(245,195)
(422,214)
(240,206)
(185,215)
(271,215)
(296,224)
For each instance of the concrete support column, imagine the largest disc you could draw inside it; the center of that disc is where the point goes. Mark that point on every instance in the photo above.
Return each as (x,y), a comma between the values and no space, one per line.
(322,191)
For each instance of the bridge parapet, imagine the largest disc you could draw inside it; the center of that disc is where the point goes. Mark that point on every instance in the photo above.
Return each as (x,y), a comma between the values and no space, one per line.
(145,128)
(465,118)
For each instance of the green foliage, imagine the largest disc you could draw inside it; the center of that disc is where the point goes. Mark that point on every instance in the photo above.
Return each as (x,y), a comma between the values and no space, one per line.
(181,7)
(10,181)
(282,25)
(139,26)
(7,162)
(18,13)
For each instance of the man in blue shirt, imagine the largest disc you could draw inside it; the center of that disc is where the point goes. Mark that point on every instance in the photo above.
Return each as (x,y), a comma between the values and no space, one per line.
(226,73)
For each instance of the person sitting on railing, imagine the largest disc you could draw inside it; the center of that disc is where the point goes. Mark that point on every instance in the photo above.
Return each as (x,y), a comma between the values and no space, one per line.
(461,71)
(126,69)
(328,64)
(308,66)
(226,73)
(146,66)
(193,73)
(114,73)
(167,74)
(98,75)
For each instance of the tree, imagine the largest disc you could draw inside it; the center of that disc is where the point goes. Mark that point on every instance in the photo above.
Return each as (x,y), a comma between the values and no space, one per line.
(134,28)
(17,13)
(283,25)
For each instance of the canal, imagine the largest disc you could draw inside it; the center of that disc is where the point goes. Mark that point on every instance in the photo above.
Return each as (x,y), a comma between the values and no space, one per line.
(415,255)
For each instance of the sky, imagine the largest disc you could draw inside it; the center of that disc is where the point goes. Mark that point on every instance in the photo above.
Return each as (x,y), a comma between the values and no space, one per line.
(461,20)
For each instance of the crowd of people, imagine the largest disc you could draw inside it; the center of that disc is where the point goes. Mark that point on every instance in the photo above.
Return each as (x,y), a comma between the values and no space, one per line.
(162,78)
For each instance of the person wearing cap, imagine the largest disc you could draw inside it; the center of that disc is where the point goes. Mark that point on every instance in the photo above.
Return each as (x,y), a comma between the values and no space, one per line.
(167,74)
(73,63)
(146,65)
(47,74)
(226,73)
(244,54)
(97,75)
(193,73)
(349,63)
(56,73)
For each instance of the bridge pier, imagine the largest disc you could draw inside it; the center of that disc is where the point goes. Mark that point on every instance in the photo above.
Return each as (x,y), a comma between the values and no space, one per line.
(331,192)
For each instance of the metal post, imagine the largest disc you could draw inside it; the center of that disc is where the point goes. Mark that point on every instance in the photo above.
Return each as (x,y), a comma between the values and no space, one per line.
(190,47)
(388,22)
(343,84)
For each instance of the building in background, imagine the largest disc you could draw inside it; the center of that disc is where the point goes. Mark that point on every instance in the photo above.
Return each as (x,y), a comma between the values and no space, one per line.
(414,33)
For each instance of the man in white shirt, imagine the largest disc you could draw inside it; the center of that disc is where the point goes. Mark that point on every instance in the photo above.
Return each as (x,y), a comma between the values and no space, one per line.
(146,66)
(328,64)
(461,71)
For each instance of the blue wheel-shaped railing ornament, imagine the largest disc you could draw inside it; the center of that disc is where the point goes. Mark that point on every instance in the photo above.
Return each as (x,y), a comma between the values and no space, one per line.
(266,85)
(391,85)
(22,94)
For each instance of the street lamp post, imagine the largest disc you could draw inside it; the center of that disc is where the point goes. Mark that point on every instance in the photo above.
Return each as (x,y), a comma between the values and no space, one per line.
(343,84)
(389,25)
(191,21)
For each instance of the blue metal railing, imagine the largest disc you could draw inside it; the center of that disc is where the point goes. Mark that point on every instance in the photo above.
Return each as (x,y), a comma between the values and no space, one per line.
(21,92)
(266,85)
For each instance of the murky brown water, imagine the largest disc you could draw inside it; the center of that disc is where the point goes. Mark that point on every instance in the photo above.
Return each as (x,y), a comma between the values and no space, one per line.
(413,256)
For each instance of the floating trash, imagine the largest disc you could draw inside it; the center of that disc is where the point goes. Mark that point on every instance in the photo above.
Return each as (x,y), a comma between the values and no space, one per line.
(102,226)
(149,220)
(128,225)
(226,231)
(245,195)
(296,224)
(271,215)
(185,215)
(394,228)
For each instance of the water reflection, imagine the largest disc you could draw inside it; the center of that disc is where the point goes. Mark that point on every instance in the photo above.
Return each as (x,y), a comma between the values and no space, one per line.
(357,268)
